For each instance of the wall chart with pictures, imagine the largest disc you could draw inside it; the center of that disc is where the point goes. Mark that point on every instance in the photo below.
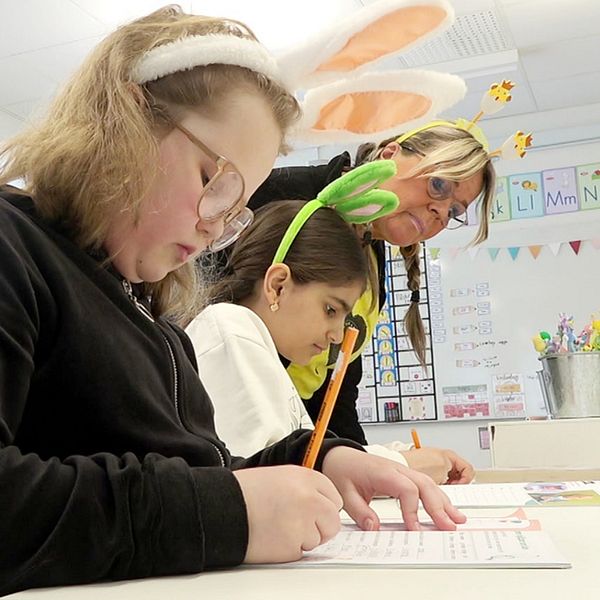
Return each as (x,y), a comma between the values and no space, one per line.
(395,387)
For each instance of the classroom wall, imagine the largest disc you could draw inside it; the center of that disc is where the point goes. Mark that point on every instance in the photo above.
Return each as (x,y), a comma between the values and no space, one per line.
(569,290)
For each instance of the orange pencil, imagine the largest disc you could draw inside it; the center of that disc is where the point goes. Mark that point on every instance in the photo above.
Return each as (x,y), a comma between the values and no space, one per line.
(415,437)
(333,389)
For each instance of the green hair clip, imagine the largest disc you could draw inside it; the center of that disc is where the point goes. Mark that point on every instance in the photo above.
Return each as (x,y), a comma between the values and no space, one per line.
(354,196)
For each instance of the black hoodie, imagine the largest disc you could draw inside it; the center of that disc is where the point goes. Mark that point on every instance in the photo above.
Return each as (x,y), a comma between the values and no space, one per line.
(110,467)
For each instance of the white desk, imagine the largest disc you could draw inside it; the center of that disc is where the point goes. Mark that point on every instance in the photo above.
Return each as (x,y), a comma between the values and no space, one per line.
(575,531)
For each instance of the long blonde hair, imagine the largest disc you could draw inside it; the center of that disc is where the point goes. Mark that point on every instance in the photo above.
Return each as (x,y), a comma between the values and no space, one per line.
(91,157)
(451,153)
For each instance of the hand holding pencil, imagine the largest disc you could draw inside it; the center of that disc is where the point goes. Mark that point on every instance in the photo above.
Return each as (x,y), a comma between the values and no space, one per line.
(341,365)
(309,498)
(442,465)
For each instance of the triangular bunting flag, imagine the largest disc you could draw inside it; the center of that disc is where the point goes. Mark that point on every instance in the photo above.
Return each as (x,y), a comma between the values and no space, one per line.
(493,252)
(576,244)
(596,243)
(434,253)
(514,252)
(535,251)
(472,252)
(555,247)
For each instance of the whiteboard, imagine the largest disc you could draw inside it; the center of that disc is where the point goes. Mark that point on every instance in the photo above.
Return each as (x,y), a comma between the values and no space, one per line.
(526,297)
(492,352)
(481,307)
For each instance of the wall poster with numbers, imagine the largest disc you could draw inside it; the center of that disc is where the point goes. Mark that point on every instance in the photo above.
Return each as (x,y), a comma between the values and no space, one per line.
(395,387)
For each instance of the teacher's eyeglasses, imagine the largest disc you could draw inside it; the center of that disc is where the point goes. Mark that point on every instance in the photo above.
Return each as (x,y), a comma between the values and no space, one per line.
(441,189)
(222,196)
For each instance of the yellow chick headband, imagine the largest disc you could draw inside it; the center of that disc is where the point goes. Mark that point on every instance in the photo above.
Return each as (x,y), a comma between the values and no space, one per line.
(494,100)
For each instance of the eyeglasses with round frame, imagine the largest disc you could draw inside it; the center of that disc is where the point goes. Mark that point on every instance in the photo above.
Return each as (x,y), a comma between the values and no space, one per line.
(439,188)
(222,196)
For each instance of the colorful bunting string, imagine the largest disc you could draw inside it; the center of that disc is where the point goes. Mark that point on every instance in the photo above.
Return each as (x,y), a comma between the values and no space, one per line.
(513,251)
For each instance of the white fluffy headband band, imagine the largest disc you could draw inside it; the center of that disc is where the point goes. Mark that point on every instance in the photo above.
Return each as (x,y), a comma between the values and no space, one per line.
(200,50)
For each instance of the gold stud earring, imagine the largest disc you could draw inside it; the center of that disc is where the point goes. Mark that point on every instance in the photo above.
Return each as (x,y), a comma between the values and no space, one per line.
(274,307)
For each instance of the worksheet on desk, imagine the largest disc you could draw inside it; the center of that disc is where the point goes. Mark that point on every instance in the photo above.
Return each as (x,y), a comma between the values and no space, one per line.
(567,493)
(515,521)
(429,549)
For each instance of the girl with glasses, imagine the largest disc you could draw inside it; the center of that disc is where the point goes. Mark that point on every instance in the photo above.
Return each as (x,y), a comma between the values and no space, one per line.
(110,467)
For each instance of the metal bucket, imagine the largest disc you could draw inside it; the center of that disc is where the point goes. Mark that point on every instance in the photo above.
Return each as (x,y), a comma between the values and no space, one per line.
(571,384)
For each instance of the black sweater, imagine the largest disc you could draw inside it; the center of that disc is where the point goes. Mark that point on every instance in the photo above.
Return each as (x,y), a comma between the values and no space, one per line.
(304,183)
(110,467)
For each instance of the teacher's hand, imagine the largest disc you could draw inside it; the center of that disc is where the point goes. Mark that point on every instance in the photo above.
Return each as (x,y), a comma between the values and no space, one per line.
(443,466)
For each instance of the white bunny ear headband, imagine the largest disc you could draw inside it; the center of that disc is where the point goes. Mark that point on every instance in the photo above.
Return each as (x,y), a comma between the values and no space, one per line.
(344,102)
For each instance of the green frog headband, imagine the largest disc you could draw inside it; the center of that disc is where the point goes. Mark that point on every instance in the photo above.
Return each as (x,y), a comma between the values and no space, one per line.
(355,196)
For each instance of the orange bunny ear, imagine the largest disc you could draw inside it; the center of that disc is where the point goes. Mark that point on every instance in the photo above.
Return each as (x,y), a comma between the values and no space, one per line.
(375,32)
(374,106)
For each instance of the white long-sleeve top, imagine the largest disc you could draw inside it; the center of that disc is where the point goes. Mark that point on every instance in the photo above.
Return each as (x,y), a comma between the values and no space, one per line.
(256,403)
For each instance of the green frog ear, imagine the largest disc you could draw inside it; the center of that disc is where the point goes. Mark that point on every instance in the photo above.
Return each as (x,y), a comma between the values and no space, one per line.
(368,206)
(355,195)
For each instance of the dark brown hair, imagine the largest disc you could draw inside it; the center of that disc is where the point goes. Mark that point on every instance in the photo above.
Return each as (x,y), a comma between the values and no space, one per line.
(326,249)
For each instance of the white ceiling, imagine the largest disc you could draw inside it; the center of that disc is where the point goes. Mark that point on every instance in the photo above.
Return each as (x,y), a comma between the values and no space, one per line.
(550,48)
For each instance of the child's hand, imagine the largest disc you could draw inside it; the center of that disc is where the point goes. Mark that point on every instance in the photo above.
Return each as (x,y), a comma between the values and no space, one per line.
(290,509)
(443,466)
(359,476)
